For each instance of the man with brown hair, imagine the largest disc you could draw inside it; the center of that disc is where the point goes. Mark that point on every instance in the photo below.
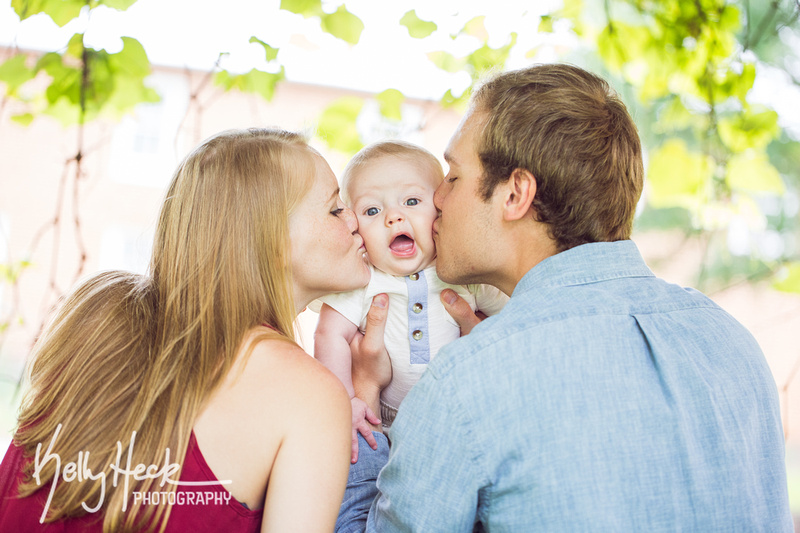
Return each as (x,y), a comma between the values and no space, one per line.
(601,398)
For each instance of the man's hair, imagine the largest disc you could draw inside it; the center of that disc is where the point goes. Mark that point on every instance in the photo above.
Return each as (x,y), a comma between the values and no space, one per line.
(573,133)
(393,148)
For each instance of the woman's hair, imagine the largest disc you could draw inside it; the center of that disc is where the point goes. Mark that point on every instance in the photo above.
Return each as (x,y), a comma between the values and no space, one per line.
(85,372)
(573,133)
(413,153)
(126,353)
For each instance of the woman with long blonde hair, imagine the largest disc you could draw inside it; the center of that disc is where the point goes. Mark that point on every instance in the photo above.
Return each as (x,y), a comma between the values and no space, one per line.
(179,401)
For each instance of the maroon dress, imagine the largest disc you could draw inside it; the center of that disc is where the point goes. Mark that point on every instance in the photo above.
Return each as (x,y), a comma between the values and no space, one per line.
(198,508)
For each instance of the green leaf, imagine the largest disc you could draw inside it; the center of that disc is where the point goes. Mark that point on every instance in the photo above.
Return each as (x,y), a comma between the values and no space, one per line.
(742,83)
(676,177)
(546,24)
(119,5)
(530,54)
(343,25)
(66,80)
(755,127)
(390,102)
(9,272)
(476,28)
(24,119)
(255,81)
(337,125)
(417,28)
(730,19)
(271,52)
(752,172)
(486,58)
(14,73)
(571,9)
(307,8)
(673,116)
(131,60)
(264,83)
(447,61)
(75,46)
(61,11)
(618,43)
(788,278)
(458,102)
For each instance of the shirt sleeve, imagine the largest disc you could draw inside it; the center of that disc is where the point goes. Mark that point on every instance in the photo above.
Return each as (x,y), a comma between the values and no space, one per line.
(349,304)
(433,478)
(488,299)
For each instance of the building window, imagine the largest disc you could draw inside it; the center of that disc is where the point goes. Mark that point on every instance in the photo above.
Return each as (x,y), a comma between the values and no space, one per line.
(143,144)
(125,248)
(372,126)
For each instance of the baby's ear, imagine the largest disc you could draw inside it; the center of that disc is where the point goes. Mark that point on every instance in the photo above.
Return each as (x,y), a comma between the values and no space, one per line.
(518,194)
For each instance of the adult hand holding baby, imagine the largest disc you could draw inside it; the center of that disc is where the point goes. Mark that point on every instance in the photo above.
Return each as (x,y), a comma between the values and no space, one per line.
(372,371)
(460,310)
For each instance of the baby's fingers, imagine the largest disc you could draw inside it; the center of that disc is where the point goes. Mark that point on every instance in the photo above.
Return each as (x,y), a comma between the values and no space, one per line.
(366,432)
(354,448)
(372,419)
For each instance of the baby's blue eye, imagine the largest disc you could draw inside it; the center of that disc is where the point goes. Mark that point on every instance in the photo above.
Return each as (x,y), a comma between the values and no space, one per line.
(372,211)
(412,201)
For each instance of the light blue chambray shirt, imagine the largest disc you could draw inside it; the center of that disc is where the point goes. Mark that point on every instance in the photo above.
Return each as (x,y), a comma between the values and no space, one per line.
(600,399)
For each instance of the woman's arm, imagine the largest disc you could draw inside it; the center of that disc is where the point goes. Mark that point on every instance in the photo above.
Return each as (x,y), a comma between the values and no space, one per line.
(308,476)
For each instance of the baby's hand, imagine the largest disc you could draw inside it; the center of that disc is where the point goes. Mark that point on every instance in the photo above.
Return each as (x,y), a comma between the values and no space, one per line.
(362,418)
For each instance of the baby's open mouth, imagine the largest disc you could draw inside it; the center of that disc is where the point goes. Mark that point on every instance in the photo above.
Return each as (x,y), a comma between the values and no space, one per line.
(403,246)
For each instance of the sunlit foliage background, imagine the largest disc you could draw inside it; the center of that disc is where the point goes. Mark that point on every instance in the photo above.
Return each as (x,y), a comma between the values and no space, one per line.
(723,163)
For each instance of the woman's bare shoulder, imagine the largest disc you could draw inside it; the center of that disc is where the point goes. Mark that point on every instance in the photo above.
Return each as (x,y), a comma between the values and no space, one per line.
(286,367)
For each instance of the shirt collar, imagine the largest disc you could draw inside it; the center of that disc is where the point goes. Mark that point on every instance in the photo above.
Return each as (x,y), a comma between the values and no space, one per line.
(587,263)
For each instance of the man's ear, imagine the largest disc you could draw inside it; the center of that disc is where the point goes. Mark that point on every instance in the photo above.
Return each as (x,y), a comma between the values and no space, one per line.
(519,194)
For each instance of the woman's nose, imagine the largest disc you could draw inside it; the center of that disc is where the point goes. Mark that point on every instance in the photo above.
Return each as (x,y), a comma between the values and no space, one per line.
(350,219)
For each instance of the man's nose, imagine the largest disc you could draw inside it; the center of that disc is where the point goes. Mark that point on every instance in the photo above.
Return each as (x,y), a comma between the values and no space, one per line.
(438,196)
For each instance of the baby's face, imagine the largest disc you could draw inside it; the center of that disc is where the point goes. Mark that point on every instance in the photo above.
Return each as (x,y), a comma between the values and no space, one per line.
(392,198)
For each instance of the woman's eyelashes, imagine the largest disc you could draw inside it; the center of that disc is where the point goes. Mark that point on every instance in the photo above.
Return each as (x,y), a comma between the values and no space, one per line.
(337,211)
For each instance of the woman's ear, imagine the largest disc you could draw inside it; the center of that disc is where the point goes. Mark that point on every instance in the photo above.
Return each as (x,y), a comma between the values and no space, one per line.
(520,192)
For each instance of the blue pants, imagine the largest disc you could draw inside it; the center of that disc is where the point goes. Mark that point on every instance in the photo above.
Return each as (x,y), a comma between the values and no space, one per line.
(361,488)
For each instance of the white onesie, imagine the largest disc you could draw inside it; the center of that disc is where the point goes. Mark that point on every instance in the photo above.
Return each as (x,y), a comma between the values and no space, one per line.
(418,325)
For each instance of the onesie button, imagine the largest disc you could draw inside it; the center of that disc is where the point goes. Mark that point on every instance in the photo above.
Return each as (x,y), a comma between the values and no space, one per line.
(417,308)
(417,335)
(414,276)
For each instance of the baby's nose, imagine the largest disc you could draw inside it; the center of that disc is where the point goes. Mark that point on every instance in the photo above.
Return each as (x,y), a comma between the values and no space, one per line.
(393,216)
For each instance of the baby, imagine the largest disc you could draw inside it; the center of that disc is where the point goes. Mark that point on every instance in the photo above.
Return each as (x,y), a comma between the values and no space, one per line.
(390,185)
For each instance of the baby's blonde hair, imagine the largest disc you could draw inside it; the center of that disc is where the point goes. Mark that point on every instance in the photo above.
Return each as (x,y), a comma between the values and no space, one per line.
(394,148)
